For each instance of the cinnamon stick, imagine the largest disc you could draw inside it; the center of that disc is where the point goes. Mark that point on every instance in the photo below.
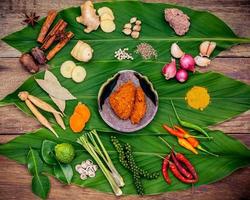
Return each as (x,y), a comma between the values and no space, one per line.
(59,45)
(46,25)
(50,38)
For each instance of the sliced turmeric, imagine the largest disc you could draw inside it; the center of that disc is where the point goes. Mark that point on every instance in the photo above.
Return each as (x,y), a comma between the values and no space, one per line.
(83,110)
(79,118)
(76,123)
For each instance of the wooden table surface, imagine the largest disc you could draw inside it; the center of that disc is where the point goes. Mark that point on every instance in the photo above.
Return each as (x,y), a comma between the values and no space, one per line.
(15,180)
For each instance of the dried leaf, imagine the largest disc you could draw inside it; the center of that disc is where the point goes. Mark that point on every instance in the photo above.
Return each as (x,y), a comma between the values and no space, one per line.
(60,103)
(56,91)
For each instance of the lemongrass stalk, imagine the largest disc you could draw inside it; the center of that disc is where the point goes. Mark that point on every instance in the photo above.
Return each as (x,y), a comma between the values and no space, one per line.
(84,142)
(103,153)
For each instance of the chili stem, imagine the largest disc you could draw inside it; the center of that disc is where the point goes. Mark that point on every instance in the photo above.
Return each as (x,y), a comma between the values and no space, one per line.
(202,149)
(166,142)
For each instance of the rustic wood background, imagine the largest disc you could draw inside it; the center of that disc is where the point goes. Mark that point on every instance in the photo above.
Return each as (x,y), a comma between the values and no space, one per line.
(15,180)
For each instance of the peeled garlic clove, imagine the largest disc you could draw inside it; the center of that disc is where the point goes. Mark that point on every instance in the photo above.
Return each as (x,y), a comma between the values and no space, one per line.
(137,28)
(135,34)
(133,20)
(127,31)
(207,48)
(202,61)
(176,51)
(127,26)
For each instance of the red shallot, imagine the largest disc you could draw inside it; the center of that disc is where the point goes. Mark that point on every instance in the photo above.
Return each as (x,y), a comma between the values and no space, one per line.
(187,62)
(169,70)
(181,75)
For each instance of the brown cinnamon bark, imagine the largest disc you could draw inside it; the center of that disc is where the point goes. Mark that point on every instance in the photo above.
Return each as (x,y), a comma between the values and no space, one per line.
(46,25)
(50,38)
(60,45)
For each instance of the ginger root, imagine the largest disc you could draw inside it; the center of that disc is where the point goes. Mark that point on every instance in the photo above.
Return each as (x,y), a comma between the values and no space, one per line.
(89,18)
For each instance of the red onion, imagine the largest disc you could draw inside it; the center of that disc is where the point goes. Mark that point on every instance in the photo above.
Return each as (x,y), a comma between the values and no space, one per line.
(181,75)
(187,62)
(169,70)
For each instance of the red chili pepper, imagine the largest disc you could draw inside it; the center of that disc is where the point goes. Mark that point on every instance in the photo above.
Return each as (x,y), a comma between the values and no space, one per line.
(187,163)
(173,131)
(164,169)
(178,175)
(181,169)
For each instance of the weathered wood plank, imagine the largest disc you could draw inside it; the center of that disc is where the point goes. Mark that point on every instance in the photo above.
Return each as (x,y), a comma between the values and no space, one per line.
(235,186)
(232,12)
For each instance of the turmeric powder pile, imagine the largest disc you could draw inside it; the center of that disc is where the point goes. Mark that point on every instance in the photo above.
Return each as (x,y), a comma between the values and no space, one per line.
(198,98)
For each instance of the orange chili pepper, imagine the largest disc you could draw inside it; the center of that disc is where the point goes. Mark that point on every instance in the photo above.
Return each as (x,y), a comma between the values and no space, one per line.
(183,142)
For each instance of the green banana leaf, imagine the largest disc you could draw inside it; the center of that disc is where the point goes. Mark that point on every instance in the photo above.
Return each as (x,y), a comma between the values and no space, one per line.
(228,97)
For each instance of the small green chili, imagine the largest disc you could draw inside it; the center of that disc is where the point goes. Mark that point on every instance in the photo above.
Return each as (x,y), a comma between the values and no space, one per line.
(188,124)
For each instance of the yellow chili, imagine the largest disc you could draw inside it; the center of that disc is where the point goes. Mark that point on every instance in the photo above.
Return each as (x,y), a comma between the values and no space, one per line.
(183,142)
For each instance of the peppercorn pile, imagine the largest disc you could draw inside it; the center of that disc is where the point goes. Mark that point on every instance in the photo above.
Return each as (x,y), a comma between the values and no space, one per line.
(126,158)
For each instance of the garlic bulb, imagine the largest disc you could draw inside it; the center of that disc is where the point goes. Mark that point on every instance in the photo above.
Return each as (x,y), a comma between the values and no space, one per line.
(176,51)
(202,61)
(207,48)
(82,51)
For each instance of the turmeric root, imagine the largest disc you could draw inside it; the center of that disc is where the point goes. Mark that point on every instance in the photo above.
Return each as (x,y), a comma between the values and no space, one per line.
(89,18)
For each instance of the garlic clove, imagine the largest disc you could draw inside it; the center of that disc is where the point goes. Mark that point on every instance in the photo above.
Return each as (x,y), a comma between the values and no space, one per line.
(176,51)
(133,20)
(202,61)
(207,48)
(135,34)
(138,22)
(127,26)
(137,28)
(127,31)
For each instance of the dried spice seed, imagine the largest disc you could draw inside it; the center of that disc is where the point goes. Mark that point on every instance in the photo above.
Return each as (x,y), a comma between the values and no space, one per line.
(146,51)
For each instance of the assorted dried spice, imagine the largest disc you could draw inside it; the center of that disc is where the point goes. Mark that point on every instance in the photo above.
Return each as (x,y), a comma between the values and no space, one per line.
(178,20)
(133,28)
(126,158)
(86,169)
(146,51)
(123,54)
(31,19)
(198,98)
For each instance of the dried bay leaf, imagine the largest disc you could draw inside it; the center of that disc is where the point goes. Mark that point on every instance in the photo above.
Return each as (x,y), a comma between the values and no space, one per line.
(56,91)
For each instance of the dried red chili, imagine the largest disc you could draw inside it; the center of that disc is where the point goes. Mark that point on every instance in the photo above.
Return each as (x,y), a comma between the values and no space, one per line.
(164,169)
(178,175)
(181,169)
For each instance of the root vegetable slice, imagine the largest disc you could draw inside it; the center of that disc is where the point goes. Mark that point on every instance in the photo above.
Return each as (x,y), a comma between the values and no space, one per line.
(107,26)
(56,91)
(76,123)
(78,74)
(83,110)
(107,10)
(106,16)
(66,68)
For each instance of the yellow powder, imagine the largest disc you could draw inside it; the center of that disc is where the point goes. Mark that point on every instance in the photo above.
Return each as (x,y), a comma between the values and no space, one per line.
(198,98)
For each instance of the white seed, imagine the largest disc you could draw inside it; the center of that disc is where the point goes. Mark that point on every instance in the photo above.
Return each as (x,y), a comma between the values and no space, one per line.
(127,31)
(89,162)
(127,26)
(137,28)
(207,48)
(83,176)
(84,165)
(78,167)
(176,51)
(135,34)
(133,20)
(95,167)
(138,22)
(92,174)
(202,61)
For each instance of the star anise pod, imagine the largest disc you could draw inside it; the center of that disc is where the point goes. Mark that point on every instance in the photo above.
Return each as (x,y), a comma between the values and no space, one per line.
(31,19)
(60,35)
